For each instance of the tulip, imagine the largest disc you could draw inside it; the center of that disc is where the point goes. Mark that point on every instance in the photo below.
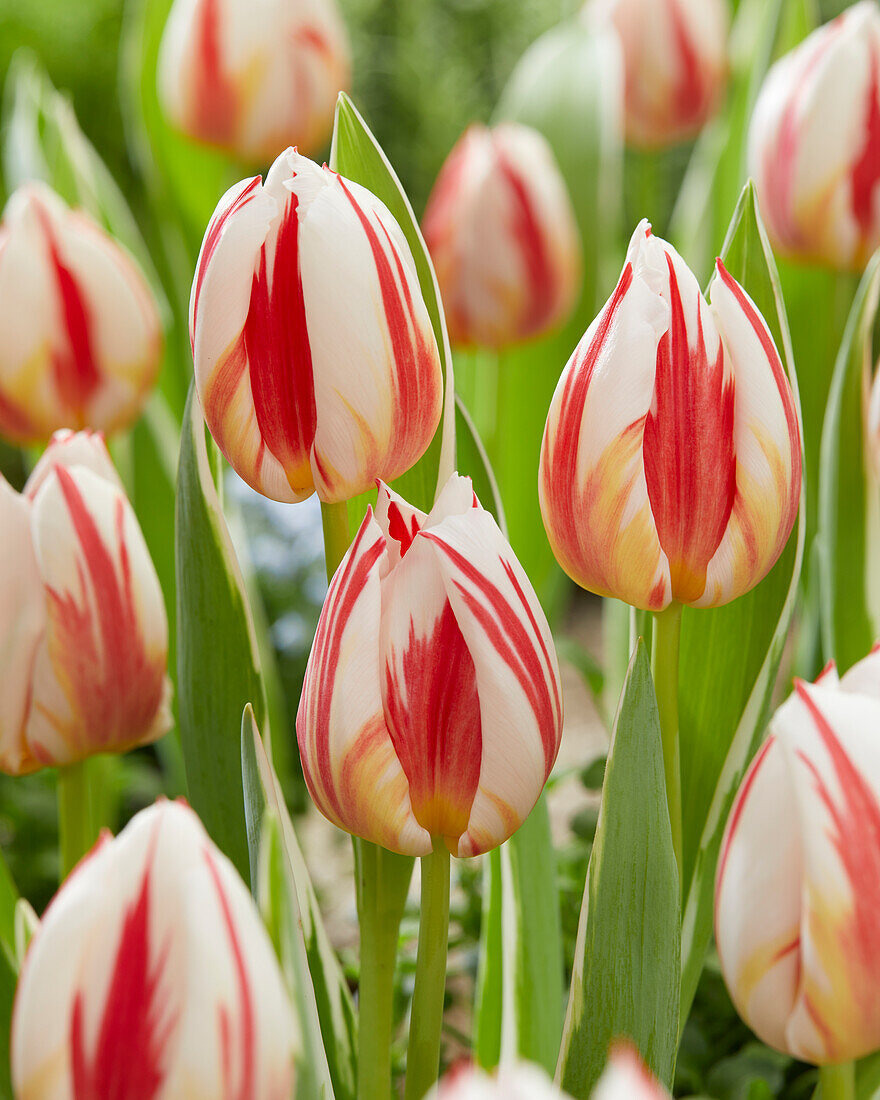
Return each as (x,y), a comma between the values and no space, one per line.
(797,896)
(671,460)
(502,235)
(253,78)
(675,64)
(81,334)
(315,359)
(85,635)
(516,1081)
(626,1078)
(151,975)
(814,143)
(431,706)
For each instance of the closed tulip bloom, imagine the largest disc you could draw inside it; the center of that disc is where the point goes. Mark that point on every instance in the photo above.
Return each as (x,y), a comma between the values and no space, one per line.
(814,143)
(797,897)
(315,359)
(431,706)
(675,63)
(671,462)
(151,975)
(253,76)
(82,339)
(85,635)
(625,1077)
(511,1081)
(503,237)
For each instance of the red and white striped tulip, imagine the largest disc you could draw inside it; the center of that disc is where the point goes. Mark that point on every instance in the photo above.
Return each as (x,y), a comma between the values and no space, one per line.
(671,461)
(797,897)
(511,1081)
(814,143)
(253,78)
(82,338)
(85,635)
(626,1077)
(502,234)
(675,64)
(315,359)
(431,708)
(151,975)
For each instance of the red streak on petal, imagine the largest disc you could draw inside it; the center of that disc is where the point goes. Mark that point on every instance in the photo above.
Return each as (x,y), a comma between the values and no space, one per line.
(126,1061)
(277,341)
(432,709)
(866,170)
(97,647)
(74,364)
(247,1036)
(690,92)
(398,529)
(215,103)
(690,467)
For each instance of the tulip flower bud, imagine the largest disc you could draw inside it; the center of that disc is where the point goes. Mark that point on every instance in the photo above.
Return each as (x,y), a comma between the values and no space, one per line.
(431,706)
(152,975)
(315,359)
(625,1077)
(814,143)
(81,334)
(82,661)
(671,461)
(516,1081)
(675,62)
(503,237)
(253,78)
(797,897)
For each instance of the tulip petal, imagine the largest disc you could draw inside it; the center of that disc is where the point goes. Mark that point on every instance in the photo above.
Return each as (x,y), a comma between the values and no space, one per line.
(517,674)
(23,618)
(348,757)
(70,449)
(99,682)
(864,676)
(766,443)
(398,521)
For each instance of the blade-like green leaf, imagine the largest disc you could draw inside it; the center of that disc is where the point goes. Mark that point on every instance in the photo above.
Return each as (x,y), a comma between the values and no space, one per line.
(849,494)
(730,655)
(626,976)
(357,155)
(321,985)
(218,669)
(471,459)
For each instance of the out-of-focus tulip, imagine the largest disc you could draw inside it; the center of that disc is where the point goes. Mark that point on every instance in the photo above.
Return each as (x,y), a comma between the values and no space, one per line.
(152,975)
(315,359)
(85,635)
(814,143)
(797,898)
(671,464)
(675,61)
(253,76)
(431,706)
(82,339)
(503,237)
(516,1081)
(626,1078)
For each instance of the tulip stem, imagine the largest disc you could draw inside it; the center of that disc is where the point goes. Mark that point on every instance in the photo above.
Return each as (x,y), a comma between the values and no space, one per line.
(334,518)
(664,666)
(426,1016)
(838,1081)
(76,828)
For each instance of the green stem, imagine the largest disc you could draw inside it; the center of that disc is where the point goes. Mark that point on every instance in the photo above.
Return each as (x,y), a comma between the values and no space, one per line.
(76,830)
(838,1081)
(664,666)
(426,1018)
(334,518)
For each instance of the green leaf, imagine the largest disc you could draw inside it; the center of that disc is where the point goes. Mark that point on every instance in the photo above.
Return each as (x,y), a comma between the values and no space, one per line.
(626,975)
(849,493)
(471,459)
(488,999)
(357,155)
(326,1010)
(218,669)
(730,655)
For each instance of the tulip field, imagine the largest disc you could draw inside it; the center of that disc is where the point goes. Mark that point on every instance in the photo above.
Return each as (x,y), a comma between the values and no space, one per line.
(440,550)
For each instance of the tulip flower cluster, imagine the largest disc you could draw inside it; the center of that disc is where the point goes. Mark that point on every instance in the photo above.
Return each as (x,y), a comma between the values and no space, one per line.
(86,641)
